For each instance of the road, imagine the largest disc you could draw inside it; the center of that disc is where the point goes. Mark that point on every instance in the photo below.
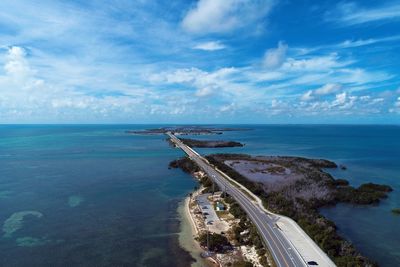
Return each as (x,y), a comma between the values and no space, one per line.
(282,250)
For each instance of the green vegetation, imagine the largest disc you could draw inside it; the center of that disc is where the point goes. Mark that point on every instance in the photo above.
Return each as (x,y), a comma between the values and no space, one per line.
(365,194)
(185,164)
(189,166)
(210,143)
(305,212)
(396,211)
(242,264)
(217,242)
(246,233)
(208,185)
(340,182)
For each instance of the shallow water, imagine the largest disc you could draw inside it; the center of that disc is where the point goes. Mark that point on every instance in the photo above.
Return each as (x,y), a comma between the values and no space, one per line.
(108,198)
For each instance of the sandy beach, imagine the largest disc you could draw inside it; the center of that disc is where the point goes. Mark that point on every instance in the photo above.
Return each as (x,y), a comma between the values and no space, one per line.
(187,234)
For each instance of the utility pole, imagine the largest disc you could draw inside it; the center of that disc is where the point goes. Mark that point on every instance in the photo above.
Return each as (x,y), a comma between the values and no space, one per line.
(208,241)
(224,191)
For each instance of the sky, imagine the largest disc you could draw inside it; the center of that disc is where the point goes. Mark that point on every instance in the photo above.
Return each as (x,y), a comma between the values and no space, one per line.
(200,61)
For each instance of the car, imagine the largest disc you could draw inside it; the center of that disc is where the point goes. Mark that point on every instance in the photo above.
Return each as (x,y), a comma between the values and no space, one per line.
(205,213)
(313,263)
(210,222)
(205,207)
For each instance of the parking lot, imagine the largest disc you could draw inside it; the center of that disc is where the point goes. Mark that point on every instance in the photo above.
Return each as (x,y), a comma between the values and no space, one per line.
(207,209)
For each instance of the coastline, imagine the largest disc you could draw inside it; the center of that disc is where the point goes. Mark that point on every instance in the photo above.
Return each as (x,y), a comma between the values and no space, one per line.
(187,233)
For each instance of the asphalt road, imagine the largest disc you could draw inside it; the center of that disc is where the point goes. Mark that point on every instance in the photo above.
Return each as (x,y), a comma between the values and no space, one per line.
(280,247)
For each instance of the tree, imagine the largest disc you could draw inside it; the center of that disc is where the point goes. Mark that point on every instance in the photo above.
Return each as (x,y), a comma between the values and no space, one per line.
(216,241)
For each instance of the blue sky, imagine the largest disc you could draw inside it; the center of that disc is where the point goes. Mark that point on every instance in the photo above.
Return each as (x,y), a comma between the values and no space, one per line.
(200,61)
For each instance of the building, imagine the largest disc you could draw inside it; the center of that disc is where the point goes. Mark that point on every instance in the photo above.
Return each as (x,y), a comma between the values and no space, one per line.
(219,206)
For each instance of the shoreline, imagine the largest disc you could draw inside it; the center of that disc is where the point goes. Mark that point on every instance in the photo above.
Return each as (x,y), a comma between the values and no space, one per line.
(188,231)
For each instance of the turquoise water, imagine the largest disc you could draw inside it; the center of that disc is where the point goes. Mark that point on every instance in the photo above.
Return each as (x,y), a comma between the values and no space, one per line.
(105,198)
(95,196)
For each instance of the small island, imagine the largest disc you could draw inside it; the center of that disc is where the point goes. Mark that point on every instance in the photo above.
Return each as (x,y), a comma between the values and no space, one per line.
(210,143)
(396,211)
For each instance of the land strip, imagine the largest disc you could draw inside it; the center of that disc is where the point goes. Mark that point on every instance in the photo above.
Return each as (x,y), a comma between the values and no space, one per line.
(283,250)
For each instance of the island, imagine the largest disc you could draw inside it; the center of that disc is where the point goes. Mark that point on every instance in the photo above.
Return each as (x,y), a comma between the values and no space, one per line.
(186,130)
(298,187)
(210,143)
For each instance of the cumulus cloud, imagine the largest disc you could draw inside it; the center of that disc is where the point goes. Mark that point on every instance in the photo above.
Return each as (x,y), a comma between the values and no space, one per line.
(26,98)
(210,46)
(222,16)
(340,99)
(275,57)
(16,65)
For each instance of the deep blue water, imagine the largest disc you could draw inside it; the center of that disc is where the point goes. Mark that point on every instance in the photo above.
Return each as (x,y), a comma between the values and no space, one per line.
(371,154)
(108,198)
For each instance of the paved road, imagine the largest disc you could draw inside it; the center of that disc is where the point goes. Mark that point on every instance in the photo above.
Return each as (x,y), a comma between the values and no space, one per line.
(281,249)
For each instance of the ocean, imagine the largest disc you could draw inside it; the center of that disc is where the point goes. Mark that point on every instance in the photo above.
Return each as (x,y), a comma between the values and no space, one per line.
(92,195)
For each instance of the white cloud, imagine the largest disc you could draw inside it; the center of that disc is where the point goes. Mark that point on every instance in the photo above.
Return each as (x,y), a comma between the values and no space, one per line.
(210,46)
(328,89)
(26,98)
(274,58)
(324,90)
(228,108)
(16,65)
(316,63)
(307,96)
(222,16)
(205,83)
(352,14)
(340,99)
(396,107)
(397,104)
(360,42)
(205,91)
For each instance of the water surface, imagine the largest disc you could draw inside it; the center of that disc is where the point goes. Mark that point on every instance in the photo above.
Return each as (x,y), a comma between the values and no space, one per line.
(371,154)
(105,198)
(108,199)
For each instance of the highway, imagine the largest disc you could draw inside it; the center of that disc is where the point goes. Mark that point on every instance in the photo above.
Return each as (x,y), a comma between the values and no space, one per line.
(282,250)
